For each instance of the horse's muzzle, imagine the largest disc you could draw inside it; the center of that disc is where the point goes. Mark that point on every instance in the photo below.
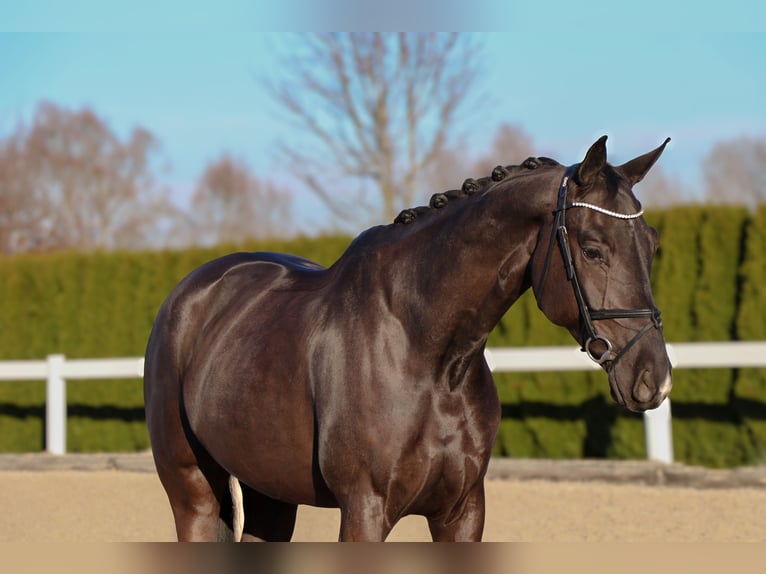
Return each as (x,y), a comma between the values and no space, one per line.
(646,393)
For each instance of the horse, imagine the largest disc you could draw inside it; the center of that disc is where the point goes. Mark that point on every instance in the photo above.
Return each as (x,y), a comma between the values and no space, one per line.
(271,381)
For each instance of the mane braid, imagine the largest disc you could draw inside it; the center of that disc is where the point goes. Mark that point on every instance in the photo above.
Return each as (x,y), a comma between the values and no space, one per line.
(471,187)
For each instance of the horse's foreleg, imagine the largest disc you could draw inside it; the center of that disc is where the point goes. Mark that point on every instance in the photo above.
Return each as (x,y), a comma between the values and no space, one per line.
(363,519)
(467,526)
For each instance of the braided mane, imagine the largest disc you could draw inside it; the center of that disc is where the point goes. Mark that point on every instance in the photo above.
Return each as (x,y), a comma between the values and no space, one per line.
(471,187)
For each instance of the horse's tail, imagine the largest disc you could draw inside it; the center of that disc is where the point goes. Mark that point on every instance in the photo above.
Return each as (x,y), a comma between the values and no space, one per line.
(231,520)
(237,508)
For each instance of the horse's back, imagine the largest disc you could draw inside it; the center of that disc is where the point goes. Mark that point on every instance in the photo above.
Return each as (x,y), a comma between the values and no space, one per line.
(226,281)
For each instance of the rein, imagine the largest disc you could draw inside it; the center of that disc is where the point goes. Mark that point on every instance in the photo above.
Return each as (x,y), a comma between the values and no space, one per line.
(587,315)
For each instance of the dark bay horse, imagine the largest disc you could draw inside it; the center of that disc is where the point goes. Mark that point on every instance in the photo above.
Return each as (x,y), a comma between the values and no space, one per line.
(363,386)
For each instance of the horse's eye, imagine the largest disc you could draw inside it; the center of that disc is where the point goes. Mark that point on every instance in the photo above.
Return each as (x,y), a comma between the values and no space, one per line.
(591,253)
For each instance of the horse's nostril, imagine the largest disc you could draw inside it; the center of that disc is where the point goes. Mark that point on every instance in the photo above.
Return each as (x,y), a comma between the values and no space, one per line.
(644,390)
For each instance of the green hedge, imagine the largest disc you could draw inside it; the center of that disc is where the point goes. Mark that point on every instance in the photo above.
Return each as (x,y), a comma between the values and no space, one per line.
(707,279)
(87,306)
(749,397)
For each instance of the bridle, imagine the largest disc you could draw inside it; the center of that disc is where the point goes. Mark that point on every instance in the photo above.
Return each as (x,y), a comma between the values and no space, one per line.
(587,315)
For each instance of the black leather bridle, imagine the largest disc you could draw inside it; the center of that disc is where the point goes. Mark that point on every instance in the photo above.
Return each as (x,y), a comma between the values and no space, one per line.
(588,316)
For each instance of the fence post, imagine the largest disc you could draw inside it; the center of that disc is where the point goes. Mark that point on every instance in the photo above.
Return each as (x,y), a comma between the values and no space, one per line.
(55,406)
(659,433)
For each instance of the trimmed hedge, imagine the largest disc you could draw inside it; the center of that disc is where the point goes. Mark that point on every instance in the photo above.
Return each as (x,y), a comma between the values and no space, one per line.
(749,397)
(707,279)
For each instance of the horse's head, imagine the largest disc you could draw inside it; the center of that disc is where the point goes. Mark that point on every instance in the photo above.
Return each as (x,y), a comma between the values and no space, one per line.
(591,270)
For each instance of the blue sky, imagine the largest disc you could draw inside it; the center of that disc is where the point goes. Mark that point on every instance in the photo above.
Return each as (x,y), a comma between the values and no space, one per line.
(200,92)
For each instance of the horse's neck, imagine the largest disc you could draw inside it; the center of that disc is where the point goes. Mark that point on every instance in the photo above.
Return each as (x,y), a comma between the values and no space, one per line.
(461,272)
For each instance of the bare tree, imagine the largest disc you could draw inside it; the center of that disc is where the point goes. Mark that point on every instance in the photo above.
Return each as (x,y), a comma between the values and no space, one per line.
(23,207)
(69,182)
(661,190)
(511,145)
(376,110)
(231,205)
(734,171)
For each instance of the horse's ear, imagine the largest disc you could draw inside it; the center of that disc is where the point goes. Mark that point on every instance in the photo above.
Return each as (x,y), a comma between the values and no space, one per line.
(594,162)
(635,170)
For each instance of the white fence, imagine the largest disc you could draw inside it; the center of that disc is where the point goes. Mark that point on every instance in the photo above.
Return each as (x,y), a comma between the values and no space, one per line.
(658,430)
(55,370)
(657,423)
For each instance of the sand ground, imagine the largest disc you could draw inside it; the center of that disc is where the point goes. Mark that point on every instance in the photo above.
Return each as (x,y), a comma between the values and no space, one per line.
(123,506)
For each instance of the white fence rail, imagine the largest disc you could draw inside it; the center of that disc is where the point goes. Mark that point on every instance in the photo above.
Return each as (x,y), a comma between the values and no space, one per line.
(657,423)
(56,369)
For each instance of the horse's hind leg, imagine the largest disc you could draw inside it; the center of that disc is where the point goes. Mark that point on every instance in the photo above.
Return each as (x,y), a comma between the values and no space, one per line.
(196,506)
(267,519)
(197,489)
(195,484)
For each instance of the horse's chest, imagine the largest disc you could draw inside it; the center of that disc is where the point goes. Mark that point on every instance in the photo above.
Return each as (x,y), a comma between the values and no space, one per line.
(426,454)
(441,470)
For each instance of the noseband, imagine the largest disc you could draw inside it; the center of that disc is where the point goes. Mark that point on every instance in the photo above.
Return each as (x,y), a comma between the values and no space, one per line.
(588,316)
